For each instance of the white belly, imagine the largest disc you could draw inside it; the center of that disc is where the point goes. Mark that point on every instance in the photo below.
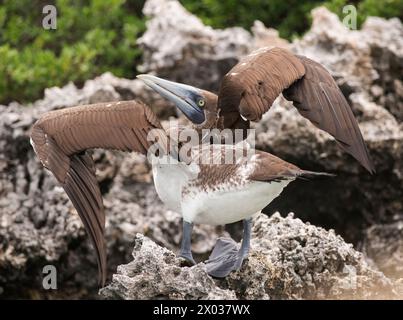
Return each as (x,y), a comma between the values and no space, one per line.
(227,205)
(223,207)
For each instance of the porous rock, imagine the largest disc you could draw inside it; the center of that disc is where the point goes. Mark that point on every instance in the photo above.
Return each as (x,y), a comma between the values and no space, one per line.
(178,46)
(156,272)
(289,260)
(383,243)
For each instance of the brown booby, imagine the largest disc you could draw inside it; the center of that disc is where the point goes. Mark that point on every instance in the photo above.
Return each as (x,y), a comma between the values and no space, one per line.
(212,193)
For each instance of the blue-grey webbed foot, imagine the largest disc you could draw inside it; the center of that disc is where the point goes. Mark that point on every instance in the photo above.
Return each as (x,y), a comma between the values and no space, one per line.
(226,256)
(186,251)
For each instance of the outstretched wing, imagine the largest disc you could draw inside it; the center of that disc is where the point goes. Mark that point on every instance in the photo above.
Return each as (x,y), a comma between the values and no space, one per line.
(60,139)
(318,98)
(250,88)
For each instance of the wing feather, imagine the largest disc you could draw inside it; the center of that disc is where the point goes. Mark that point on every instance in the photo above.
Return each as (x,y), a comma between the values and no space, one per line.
(250,88)
(318,98)
(60,139)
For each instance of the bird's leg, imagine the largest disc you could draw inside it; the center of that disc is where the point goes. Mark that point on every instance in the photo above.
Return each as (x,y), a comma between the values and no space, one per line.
(226,257)
(245,246)
(186,251)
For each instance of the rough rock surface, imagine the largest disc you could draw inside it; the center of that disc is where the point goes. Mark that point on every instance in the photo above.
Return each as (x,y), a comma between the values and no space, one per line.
(39,226)
(384,244)
(178,46)
(156,272)
(289,260)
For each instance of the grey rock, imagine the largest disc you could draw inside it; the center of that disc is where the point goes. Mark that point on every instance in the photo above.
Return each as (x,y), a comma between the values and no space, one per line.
(289,260)
(295,260)
(266,37)
(178,46)
(383,243)
(156,273)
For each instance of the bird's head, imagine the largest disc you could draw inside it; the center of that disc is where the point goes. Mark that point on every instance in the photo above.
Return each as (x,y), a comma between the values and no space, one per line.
(199,106)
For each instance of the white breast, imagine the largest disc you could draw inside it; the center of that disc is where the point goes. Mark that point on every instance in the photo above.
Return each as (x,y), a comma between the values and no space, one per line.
(169,180)
(221,205)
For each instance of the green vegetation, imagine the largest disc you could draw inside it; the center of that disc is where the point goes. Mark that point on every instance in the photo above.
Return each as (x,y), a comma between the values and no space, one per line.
(94,36)
(291,18)
(367,8)
(91,37)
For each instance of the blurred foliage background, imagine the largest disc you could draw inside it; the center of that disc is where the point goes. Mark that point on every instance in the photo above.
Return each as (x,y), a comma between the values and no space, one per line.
(94,36)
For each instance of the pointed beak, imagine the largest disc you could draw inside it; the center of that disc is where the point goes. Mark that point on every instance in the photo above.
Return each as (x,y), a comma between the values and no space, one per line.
(182,95)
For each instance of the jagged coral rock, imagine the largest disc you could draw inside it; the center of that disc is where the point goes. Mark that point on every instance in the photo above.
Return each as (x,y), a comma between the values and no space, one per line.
(289,260)
(156,272)
(177,45)
(295,260)
(384,244)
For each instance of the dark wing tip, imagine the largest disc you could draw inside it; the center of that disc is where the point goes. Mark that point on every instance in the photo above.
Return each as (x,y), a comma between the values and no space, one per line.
(367,163)
(82,188)
(358,150)
(319,99)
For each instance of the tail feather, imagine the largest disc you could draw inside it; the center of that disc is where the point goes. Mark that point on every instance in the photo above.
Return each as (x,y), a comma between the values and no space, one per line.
(308,175)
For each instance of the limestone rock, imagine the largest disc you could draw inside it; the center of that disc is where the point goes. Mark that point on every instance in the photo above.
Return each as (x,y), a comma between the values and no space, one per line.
(383,243)
(289,260)
(156,272)
(178,46)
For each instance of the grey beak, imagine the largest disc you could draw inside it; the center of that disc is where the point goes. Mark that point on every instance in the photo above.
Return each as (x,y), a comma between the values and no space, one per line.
(182,95)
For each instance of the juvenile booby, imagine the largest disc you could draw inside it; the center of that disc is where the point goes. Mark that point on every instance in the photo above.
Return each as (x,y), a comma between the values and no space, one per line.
(203,193)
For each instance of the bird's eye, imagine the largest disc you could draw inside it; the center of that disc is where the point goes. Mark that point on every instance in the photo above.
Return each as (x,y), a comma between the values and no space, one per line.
(200,103)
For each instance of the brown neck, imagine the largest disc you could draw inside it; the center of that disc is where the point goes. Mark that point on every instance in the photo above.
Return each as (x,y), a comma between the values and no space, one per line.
(210,111)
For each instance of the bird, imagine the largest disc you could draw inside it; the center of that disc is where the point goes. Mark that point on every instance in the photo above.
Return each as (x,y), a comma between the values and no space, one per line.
(204,192)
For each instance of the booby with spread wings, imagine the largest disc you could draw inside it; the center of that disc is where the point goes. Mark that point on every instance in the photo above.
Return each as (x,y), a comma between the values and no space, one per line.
(207,193)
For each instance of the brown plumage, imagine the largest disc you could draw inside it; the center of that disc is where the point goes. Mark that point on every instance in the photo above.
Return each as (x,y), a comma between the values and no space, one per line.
(60,139)
(270,168)
(250,88)
(216,173)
